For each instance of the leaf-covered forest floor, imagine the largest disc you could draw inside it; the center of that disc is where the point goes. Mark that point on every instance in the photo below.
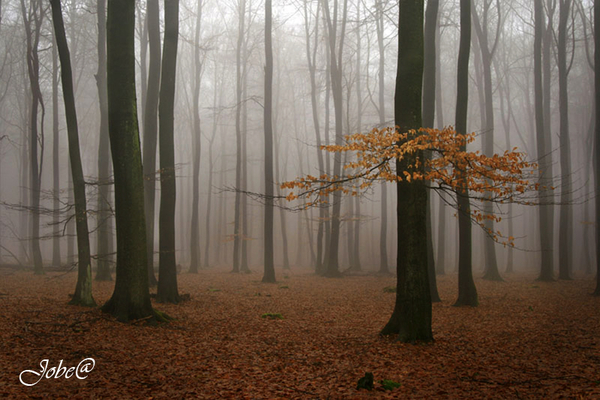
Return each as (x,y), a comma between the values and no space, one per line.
(527,339)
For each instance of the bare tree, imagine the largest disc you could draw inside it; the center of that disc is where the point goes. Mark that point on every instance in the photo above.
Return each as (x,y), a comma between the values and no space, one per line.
(167,268)
(487,55)
(104,226)
(411,319)
(597,110)
(383,255)
(83,290)
(195,224)
(467,292)
(33,17)
(429,85)
(151,131)
(131,297)
(336,49)
(565,231)
(55,161)
(237,233)
(544,157)
(269,272)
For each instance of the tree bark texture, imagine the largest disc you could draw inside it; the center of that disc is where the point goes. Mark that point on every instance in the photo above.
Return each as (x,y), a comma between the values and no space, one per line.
(411,319)
(167,264)
(151,130)
(467,292)
(131,297)
(83,289)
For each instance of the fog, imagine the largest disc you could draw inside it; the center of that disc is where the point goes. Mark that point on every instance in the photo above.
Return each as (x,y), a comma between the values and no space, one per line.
(367,38)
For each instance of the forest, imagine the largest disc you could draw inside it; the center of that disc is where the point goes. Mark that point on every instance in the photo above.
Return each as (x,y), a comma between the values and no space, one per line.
(299,199)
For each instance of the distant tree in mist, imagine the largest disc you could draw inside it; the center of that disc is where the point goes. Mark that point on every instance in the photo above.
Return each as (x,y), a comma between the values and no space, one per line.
(33,17)
(597,144)
(269,268)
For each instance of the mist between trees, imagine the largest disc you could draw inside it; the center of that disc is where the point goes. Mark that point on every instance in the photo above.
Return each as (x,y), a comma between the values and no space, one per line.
(211,105)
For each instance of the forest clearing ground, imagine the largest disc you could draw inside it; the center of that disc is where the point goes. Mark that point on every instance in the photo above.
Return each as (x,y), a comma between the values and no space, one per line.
(527,339)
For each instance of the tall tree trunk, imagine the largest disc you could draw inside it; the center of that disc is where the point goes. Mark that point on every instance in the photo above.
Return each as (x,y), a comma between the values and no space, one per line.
(544,156)
(467,292)
(597,144)
(383,256)
(167,265)
(151,131)
(506,116)
(565,231)
(355,250)
(33,19)
(282,211)
(216,116)
(104,246)
(411,318)
(70,223)
(429,84)
(487,53)
(83,290)
(269,272)
(24,192)
(196,134)
(245,232)
(335,53)
(311,55)
(440,268)
(55,162)
(327,212)
(131,297)
(238,137)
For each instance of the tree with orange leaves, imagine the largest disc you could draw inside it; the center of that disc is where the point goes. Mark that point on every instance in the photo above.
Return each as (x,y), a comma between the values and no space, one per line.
(501,178)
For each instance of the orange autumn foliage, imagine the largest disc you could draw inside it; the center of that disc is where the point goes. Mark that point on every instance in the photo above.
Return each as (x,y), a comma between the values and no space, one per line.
(501,178)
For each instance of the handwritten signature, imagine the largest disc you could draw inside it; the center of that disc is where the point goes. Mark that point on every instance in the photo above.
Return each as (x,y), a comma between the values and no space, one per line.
(81,371)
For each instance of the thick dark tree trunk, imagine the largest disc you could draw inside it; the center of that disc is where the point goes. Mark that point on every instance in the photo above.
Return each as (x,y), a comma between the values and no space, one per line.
(411,318)
(83,290)
(104,246)
(131,297)
(467,292)
(429,85)
(151,131)
(71,222)
(167,265)
(565,231)
(544,156)
(269,272)
(55,163)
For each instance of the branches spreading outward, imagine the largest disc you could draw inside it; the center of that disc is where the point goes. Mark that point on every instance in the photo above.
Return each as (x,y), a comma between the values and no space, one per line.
(445,167)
